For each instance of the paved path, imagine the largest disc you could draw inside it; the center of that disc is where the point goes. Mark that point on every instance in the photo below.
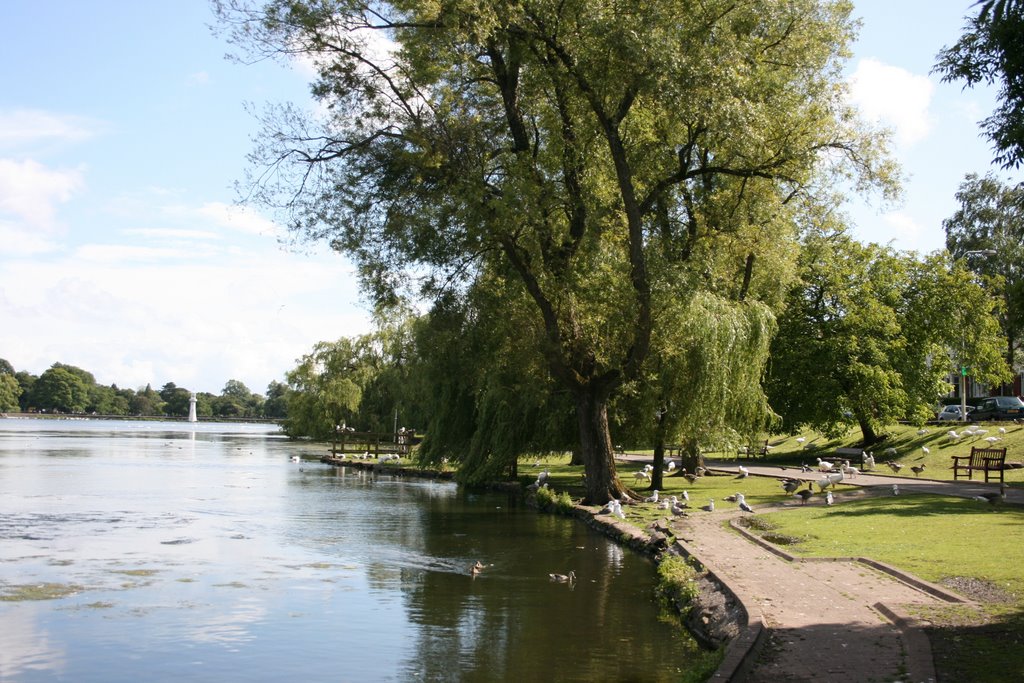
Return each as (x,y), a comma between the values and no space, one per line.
(833,621)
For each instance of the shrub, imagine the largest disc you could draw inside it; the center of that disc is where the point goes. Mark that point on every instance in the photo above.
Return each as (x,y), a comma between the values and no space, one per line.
(677,582)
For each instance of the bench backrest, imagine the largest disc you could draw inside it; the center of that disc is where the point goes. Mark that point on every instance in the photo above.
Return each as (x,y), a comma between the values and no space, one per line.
(979,454)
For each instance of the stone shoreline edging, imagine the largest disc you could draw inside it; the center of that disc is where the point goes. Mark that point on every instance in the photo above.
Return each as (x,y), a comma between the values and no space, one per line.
(742,649)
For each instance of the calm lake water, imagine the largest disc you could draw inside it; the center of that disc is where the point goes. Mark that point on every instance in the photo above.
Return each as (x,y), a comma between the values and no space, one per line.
(157,551)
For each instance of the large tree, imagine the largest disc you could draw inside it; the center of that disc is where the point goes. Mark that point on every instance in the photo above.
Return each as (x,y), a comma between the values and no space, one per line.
(991,51)
(584,149)
(987,233)
(869,336)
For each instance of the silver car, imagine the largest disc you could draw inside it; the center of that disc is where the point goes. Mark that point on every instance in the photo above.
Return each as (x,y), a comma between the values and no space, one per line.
(952,412)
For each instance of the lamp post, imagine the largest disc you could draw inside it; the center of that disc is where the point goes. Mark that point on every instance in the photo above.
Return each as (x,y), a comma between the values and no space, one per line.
(963,349)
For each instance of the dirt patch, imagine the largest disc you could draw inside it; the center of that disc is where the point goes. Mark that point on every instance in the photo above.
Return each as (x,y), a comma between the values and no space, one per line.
(979,590)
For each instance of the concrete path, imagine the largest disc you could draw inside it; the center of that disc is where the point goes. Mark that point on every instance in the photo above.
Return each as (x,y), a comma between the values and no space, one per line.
(834,620)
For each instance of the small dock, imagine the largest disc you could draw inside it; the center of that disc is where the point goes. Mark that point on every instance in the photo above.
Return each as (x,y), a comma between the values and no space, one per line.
(373,444)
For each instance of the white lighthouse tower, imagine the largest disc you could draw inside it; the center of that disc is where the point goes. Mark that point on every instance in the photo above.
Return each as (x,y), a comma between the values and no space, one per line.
(192,409)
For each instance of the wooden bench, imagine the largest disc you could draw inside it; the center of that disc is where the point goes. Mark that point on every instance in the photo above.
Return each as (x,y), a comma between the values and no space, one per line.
(752,452)
(854,455)
(991,461)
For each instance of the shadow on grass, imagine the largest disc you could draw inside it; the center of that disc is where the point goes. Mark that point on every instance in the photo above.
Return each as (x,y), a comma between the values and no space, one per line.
(987,652)
(923,505)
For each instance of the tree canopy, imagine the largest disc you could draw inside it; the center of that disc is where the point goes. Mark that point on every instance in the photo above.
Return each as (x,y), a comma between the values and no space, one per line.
(987,234)
(595,154)
(869,336)
(991,51)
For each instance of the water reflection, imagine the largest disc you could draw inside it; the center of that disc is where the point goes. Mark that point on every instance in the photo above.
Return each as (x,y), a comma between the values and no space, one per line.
(212,556)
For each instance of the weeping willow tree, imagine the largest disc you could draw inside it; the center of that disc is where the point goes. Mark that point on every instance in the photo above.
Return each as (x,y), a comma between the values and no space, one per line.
(579,148)
(487,393)
(703,385)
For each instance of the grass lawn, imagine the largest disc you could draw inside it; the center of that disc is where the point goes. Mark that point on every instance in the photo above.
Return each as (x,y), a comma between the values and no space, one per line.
(963,544)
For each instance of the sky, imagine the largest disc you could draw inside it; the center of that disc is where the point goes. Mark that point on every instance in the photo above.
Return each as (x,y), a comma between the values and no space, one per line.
(123,133)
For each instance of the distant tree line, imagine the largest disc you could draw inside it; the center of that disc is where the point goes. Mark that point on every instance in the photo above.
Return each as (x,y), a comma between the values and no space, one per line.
(68,389)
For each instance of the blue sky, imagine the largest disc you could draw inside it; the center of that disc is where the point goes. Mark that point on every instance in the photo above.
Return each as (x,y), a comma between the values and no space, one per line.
(123,130)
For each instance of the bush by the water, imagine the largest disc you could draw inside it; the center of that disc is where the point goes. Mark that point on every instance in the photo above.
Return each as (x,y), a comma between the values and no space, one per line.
(677,582)
(549,501)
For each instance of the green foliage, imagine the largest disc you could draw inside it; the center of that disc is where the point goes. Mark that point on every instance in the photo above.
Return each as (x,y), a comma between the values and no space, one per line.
(867,337)
(991,51)
(559,503)
(10,390)
(60,389)
(584,154)
(677,582)
(987,235)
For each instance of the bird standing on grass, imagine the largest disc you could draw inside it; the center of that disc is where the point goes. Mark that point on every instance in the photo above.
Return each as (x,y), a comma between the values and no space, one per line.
(710,507)
(653,498)
(829,499)
(917,469)
(894,466)
(790,485)
(743,472)
(804,495)
(993,498)
(743,503)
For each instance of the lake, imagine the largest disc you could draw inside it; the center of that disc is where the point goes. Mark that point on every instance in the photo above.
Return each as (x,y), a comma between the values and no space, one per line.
(159,551)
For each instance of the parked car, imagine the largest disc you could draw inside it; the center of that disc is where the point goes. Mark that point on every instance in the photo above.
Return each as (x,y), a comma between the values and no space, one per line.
(998,408)
(952,413)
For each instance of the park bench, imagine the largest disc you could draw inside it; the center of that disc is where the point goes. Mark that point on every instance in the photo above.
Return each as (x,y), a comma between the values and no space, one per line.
(750,451)
(990,461)
(854,455)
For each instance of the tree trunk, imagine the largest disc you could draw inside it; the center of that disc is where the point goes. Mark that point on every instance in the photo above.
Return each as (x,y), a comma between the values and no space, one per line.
(659,452)
(870,437)
(577,455)
(690,456)
(596,447)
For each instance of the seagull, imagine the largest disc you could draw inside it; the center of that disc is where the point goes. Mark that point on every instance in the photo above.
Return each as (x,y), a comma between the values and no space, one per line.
(710,507)
(686,495)
(743,472)
(829,499)
(563,578)
(993,498)
(895,489)
(804,467)
(734,499)
(743,504)
(804,495)
(653,498)
(800,439)
(917,469)
(925,449)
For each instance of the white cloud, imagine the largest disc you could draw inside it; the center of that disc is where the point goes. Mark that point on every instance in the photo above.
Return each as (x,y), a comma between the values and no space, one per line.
(238,218)
(24,127)
(29,191)
(16,241)
(132,318)
(895,98)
